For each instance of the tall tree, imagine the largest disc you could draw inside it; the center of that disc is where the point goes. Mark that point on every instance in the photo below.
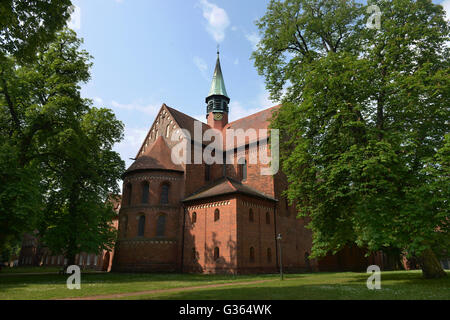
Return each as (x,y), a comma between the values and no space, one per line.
(25,26)
(59,135)
(81,181)
(364,113)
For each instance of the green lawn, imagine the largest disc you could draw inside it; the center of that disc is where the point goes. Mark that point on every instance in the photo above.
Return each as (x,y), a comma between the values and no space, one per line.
(395,285)
(52,286)
(6,270)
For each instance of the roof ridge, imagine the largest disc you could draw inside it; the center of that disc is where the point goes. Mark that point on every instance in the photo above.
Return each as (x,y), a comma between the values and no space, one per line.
(252,115)
(148,131)
(244,189)
(210,185)
(184,114)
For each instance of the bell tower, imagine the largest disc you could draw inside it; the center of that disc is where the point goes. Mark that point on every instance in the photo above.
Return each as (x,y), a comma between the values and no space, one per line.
(217,100)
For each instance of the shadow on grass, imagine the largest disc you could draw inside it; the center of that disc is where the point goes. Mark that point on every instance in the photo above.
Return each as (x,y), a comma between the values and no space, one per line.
(395,285)
(18,281)
(409,286)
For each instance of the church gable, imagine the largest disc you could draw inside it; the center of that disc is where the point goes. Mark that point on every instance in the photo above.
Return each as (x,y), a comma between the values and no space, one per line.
(164,125)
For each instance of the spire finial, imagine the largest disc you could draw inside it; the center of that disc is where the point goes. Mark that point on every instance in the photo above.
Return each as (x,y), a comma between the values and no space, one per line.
(218,84)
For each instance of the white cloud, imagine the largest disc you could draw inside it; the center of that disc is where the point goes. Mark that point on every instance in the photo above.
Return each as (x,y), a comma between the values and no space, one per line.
(238,111)
(202,66)
(264,100)
(149,109)
(236,61)
(75,18)
(217,19)
(98,100)
(200,117)
(446,5)
(254,39)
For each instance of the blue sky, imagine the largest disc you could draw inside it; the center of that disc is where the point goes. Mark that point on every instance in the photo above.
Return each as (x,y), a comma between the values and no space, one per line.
(150,52)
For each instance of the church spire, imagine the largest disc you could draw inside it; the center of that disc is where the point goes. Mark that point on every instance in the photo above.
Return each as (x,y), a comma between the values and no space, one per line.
(218,84)
(217,100)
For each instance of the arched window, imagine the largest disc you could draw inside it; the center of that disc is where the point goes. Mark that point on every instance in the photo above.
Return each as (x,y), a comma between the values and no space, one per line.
(216,253)
(269,255)
(168,131)
(216,215)
(252,254)
(141,226)
(128,193)
(125,226)
(267,218)
(145,191)
(207,172)
(251,217)
(161,226)
(165,194)
(194,217)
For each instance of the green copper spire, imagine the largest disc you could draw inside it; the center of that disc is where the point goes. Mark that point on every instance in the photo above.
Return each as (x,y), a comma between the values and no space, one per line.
(218,84)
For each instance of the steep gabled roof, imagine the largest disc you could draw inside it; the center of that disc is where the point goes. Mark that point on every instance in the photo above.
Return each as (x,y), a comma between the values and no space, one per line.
(256,121)
(259,120)
(225,186)
(158,157)
(186,122)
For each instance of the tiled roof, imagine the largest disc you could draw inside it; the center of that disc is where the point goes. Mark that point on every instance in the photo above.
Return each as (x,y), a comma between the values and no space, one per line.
(256,121)
(157,157)
(259,120)
(225,186)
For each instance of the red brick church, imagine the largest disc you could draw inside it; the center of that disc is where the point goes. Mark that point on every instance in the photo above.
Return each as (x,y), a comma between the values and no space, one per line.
(211,218)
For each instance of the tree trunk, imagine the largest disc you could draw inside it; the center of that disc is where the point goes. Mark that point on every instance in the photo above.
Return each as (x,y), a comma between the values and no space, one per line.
(431,268)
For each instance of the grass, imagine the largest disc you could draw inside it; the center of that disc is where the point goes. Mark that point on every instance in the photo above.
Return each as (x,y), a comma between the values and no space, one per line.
(34,270)
(17,270)
(405,285)
(52,286)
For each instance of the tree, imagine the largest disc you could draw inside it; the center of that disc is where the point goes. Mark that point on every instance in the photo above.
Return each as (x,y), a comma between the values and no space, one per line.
(59,135)
(364,113)
(19,197)
(26,25)
(78,216)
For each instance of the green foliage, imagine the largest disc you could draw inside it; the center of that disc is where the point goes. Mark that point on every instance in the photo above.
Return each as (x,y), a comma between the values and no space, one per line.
(19,197)
(26,25)
(66,143)
(364,114)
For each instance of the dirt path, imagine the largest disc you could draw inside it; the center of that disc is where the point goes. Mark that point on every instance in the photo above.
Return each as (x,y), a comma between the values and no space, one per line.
(132,294)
